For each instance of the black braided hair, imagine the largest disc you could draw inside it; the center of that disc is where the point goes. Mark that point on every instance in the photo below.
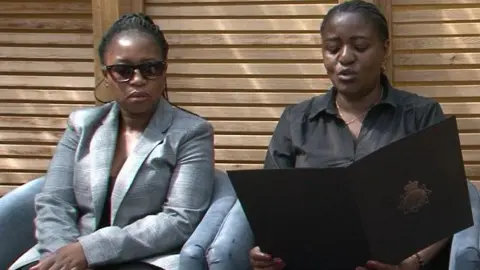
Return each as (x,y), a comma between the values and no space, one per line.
(135,22)
(368,10)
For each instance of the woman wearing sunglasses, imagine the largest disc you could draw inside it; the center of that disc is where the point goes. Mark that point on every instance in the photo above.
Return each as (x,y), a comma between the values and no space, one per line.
(130,180)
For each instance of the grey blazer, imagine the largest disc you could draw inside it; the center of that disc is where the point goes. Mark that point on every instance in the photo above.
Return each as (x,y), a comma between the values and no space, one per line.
(160,194)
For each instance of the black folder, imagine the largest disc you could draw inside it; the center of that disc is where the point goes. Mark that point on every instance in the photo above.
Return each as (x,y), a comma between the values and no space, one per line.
(386,206)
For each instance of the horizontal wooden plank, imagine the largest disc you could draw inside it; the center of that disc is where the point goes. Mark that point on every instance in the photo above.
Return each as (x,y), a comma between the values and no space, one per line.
(248,83)
(46,7)
(450,75)
(33,122)
(243,54)
(18,178)
(47,81)
(314,9)
(82,96)
(46,67)
(39,108)
(238,166)
(44,151)
(27,23)
(432,43)
(286,39)
(419,59)
(228,126)
(237,97)
(436,15)
(76,39)
(46,53)
(468,123)
(23,136)
(226,97)
(471,155)
(24,164)
(435,29)
(445,91)
(427,2)
(210,24)
(473,171)
(246,68)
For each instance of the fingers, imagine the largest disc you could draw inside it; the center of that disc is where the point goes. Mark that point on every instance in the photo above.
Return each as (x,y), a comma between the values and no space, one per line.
(35,267)
(263,261)
(257,254)
(45,264)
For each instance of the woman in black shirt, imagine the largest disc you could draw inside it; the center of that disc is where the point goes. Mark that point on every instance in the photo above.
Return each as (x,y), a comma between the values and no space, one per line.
(359,114)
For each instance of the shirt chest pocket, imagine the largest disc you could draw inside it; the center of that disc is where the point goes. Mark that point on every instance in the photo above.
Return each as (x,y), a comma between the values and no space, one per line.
(321,160)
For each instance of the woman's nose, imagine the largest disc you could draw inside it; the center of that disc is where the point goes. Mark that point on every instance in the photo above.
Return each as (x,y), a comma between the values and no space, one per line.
(347,56)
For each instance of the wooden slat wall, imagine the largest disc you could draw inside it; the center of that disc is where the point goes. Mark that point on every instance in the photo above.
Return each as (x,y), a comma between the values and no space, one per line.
(46,70)
(436,53)
(236,62)
(239,62)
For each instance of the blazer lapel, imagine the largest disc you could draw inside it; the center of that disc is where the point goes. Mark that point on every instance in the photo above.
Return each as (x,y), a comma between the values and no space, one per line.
(151,137)
(102,149)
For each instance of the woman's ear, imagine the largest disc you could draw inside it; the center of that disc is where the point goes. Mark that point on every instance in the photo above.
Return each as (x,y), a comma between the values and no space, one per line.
(386,49)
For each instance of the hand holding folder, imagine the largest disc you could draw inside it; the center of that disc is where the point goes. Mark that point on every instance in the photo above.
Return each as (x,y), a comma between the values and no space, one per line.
(384,207)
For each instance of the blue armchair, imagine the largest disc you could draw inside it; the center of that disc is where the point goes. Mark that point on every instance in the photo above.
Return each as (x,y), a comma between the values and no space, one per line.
(465,251)
(17,227)
(16,222)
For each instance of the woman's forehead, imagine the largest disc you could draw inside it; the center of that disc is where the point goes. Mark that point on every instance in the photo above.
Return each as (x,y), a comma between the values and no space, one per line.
(133,46)
(348,25)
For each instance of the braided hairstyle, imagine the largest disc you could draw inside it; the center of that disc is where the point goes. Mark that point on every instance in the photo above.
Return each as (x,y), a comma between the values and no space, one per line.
(369,12)
(135,22)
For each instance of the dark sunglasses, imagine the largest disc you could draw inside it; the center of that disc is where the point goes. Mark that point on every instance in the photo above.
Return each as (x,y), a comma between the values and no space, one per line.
(125,72)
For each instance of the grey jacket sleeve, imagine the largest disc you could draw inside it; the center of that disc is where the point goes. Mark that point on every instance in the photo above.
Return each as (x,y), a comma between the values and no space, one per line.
(56,206)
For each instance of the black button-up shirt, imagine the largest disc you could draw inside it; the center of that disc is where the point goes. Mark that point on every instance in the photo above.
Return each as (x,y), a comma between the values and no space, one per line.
(311,133)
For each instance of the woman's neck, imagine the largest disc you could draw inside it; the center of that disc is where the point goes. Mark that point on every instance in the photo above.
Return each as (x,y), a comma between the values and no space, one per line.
(134,122)
(356,106)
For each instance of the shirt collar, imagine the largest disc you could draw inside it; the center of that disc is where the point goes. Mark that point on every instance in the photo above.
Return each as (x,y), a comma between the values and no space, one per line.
(326,103)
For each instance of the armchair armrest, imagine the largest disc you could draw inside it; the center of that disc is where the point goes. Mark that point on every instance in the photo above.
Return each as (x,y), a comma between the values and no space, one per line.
(232,244)
(192,255)
(465,250)
(17,213)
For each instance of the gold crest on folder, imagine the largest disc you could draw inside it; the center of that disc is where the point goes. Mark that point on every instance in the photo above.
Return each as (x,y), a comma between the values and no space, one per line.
(415,197)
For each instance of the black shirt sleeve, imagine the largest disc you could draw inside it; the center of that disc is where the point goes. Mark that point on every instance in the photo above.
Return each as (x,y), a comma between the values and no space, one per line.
(281,153)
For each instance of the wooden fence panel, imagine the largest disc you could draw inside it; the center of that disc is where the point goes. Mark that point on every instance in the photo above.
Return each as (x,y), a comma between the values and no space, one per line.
(435,53)
(46,71)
